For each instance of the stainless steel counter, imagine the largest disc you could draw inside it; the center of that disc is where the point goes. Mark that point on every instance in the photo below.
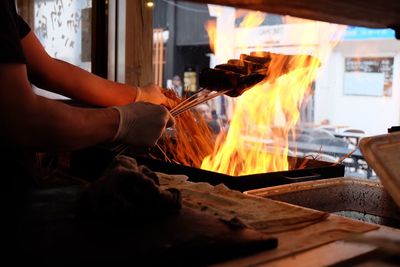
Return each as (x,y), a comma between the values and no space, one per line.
(359,199)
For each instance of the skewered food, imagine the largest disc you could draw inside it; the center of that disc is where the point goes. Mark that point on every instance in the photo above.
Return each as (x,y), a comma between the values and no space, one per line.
(234,68)
(218,79)
(221,79)
(238,75)
(264,59)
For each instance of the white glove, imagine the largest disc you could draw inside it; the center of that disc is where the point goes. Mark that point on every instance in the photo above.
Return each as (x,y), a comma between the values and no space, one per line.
(150,93)
(142,124)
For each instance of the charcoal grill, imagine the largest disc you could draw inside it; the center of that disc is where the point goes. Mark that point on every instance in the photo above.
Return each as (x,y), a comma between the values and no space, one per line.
(89,163)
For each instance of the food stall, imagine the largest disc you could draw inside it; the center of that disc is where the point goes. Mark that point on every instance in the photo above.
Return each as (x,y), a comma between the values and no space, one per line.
(114,211)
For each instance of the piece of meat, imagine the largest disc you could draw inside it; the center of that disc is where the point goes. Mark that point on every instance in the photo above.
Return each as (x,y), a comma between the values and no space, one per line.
(253,67)
(236,62)
(263,54)
(247,82)
(220,80)
(234,68)
(256,59)
(238,75)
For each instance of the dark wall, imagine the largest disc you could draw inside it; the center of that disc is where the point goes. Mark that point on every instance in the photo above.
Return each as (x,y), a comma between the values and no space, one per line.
(160,14)
(188,43)
(190,20)
(194,57)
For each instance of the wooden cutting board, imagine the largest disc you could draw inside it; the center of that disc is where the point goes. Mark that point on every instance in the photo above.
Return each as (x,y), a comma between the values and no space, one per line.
(187,238)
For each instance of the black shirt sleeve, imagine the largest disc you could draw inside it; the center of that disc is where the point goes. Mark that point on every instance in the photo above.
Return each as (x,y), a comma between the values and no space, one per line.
(23,27)
(12,29)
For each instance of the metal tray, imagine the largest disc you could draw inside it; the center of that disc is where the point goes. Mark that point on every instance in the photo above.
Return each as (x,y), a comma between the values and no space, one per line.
(90,163)
(355,198)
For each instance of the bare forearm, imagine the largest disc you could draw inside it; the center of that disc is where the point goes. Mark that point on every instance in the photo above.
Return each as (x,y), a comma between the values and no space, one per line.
(73,82)
(51,125)
(63,78)
(33,122)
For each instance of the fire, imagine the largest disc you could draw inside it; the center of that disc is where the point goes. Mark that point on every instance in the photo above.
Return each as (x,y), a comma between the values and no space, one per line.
(257,141)
(192,139)
(212,34)
(252,19)
(265,115)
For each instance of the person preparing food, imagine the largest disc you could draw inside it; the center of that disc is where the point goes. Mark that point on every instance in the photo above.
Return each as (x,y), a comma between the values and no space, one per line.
(31,123)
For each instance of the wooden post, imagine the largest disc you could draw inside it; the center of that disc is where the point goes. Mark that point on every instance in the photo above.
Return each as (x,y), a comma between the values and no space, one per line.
(139,43)
(171,49)
(26,10)
(99,36)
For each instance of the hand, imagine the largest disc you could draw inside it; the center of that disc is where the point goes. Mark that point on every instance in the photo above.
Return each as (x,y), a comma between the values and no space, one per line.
(142,124)
(151,93)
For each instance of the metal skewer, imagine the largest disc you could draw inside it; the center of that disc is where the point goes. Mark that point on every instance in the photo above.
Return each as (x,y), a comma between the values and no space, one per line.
(163,152)
(191,104)
(185,101)
(198,98)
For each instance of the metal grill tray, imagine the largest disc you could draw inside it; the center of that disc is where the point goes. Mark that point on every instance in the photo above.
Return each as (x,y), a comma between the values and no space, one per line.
(89,164)
(359,199)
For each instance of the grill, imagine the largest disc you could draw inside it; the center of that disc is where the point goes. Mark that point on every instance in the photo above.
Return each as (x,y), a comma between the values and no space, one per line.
(91,162)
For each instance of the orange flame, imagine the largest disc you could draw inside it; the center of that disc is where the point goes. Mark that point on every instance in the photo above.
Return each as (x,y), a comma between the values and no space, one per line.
(191,141)
(252,19)
(211,27)
(257,140)
(265,115)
